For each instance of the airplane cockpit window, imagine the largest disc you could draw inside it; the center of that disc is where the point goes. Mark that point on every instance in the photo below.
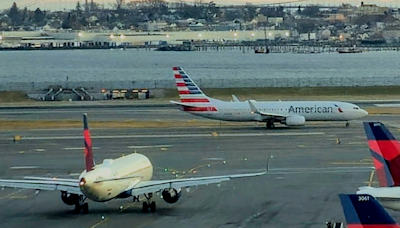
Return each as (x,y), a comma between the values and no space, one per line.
(356,108)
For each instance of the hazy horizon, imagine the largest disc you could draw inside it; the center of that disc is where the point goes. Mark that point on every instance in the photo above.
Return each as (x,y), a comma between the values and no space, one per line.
(69,4)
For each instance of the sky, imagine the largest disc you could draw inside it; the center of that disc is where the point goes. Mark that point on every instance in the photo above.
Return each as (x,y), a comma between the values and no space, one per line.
(68,4)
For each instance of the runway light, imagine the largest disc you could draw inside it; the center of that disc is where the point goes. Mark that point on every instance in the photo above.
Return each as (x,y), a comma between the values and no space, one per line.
(166,170)
(235,34)
(80,34)
(200,35)
(224,162)
(121,207)
(252,34)
(122,36)
(112,36)
(102,217)
(245,159)
(167,36)
(209,165)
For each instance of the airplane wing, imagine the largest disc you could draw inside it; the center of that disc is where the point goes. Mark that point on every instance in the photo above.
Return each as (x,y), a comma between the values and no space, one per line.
(43,184)
(266,114)
(159,185)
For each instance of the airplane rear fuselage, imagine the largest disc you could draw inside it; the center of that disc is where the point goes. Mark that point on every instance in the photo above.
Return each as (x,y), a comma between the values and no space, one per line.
(115,176)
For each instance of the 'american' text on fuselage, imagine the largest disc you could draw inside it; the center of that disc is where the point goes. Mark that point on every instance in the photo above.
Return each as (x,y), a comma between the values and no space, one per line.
(314,109)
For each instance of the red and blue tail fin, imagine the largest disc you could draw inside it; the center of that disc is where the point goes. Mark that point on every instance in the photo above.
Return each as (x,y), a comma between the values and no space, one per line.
(89,161)
(363,211)
(189,92)
(385,151)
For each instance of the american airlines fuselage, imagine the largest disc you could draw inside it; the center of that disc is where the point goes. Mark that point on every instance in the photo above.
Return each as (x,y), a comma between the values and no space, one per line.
(113,177)
(310,110)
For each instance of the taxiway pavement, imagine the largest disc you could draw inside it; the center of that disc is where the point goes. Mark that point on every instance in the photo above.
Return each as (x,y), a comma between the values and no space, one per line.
(308,169)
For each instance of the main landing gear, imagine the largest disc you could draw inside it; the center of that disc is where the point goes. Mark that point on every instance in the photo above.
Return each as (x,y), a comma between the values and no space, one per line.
(81,206)
(347,124)
(149,204)
(270,124)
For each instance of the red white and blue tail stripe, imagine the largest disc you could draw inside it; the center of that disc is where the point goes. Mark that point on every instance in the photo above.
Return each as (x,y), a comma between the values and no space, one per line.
(191,96)
(385,151)
(89,161)
(189,92)
(363,211)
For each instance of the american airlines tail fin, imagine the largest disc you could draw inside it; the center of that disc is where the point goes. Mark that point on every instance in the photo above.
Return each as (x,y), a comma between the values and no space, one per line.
(89,161)
(189,92)
(385,151)
(363,211)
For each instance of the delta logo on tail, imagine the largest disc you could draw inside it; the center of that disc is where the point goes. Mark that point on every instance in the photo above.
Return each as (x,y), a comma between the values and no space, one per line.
(363,211)
(385,151)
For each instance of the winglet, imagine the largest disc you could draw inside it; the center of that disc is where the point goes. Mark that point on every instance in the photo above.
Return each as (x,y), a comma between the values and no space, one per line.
(365,211)
(89,162)
(385,151)
(234,98)
(268,159)
(252,107)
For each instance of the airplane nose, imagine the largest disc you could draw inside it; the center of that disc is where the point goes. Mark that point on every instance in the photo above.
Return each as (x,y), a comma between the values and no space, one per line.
(365,113)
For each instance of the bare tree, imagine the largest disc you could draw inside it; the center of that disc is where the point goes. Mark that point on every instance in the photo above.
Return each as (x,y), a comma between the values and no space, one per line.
(119,4)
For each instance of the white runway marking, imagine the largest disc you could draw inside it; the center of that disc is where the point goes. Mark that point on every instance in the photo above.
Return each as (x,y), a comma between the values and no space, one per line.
(150,146)
(175,136)
(80,111)
(39,150)
(387,105)
(24,167)
(79,148)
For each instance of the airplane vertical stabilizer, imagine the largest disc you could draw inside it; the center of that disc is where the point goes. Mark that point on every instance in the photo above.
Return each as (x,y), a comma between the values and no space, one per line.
(385,151)
(189,92)
(89,162)
(363,211)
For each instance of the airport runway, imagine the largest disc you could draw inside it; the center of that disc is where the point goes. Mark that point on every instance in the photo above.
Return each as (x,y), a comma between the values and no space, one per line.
(307,171)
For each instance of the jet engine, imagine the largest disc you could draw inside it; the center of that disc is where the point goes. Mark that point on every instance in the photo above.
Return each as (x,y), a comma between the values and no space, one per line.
(171,195)
(69,199)
(294,121)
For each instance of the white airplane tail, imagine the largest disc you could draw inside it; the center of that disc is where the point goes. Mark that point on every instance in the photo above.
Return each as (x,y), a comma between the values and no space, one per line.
(189,92)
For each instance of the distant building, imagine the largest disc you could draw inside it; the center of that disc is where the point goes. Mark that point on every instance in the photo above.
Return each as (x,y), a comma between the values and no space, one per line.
(371,9)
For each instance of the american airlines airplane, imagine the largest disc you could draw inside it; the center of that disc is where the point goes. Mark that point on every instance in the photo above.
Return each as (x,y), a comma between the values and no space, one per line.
(290,113)
(385,151)
(116,178)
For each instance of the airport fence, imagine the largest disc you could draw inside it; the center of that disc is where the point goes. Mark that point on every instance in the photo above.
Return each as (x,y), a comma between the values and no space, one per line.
(95,86)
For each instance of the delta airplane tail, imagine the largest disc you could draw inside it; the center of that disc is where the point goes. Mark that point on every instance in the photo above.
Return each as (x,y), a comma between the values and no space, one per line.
(89,161)
(363,211)
(385,151)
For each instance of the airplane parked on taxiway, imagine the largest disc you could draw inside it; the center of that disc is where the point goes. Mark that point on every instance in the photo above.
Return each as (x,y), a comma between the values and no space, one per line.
(290,113)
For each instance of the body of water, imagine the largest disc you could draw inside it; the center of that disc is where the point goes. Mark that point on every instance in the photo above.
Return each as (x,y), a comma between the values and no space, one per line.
(138,65)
